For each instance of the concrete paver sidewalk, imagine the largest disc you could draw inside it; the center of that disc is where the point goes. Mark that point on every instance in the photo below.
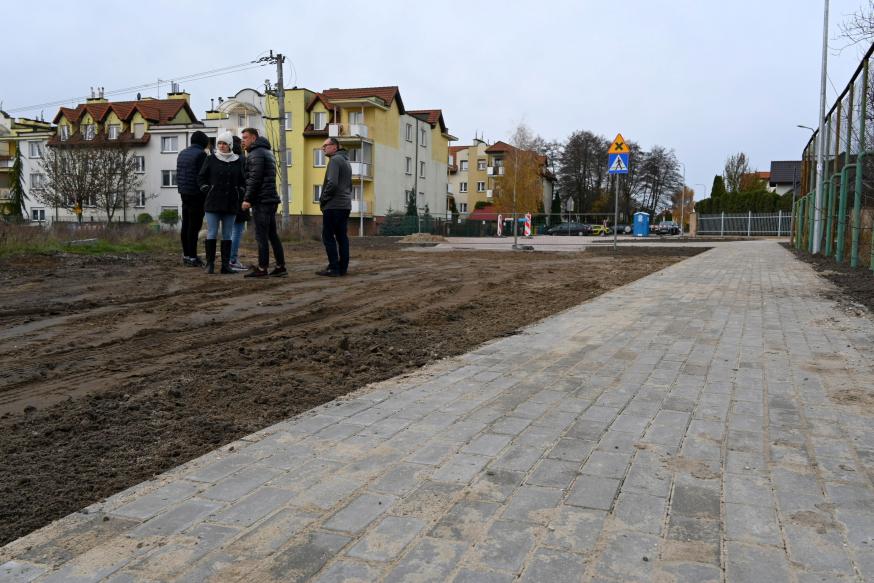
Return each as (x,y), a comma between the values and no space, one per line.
(711,422)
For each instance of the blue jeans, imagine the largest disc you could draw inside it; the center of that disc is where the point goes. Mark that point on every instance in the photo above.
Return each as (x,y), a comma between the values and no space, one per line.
(212,223)
(236,235)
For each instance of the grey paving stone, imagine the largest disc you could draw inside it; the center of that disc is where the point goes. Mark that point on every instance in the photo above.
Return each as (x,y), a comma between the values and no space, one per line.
(460,468)
(430,561)
(593,492)
(360,512)
(553,473)
(554,566)
(575,529)
(20,572)
(466,521)
(607,464)
(181,551)
(753,564)
(627,556)
(689,573)
(532,504)
(510,425)
(246,511)
(147,506)
(496,484)
(66,543)
(239,484)
(753,524)
(488,444)
(428,500)
(696,498)
(505,546)
(468,575)
(387,539)
(328,493)
(432,454)
(348,572)
(518,458)
(272,534)
(571,449)
(305,558)
(401,479)
(177,518)
(640,512)
(220,468)
(817,548)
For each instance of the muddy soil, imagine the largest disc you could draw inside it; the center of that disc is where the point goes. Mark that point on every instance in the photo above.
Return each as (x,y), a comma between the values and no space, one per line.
(118,368)
(856,285)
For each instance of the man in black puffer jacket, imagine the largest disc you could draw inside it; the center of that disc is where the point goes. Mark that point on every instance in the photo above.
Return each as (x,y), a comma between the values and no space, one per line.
(188,164)
(262,198)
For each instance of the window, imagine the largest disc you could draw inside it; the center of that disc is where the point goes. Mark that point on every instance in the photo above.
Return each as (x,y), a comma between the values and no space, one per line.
(409,134)
(409,168)
(287,124)
(480,186)
(38,215)
(169,144)
(139,164)
(37,181)
(356,117)
(241,120)
(318,158)
(65,133)
(462,207)
(451,159)
(168,178)
(139,130)
(317,192)
(88,131)
(288,156)
(356,192)
(114,130)
(480,164)
(141,199)
(462,187)
(421,170)
(463,165)
(423,137)
(320,120)
(35,149)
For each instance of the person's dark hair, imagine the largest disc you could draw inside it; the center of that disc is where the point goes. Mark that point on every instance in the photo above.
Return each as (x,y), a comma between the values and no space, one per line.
(334,141)
(200,139)
(251,131)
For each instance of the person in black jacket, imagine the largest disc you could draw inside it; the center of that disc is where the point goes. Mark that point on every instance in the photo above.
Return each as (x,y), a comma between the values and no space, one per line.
(222,182)
(335,201)
(262,198)
(188,164)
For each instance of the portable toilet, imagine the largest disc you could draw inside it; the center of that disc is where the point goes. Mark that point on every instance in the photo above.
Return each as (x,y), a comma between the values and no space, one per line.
(641,224)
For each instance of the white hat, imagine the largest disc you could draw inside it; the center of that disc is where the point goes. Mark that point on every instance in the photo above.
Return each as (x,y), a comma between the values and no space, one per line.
(226,137)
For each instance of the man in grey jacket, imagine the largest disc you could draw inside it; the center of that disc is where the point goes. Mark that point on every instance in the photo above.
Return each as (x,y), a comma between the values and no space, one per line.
(336,204)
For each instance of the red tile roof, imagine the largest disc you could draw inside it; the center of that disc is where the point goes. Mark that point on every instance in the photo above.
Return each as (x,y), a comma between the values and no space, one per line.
(387,94)
(456,149)
(101,139)
(431,116)
(158,111)
(499,147)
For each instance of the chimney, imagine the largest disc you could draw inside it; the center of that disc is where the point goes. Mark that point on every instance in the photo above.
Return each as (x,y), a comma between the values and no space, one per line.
(96,96)
(177,93)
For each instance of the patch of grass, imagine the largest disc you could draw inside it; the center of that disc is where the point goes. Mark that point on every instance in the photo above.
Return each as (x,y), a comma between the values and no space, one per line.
(22,240)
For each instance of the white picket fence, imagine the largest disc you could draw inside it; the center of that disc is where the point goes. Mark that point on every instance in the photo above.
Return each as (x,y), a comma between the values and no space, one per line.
(746,224)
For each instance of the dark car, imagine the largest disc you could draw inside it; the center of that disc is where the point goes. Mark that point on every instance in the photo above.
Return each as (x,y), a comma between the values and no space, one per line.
(623,229)
(668,228)
(570,229)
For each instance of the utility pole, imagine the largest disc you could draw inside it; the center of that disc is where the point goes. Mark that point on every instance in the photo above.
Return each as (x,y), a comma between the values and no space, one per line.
(820,139)
(279,60)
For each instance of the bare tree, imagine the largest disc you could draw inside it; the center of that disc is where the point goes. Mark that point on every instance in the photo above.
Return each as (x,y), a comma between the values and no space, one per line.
(583,169)
(736,167)
(859,27)
(104,177)
(659,176)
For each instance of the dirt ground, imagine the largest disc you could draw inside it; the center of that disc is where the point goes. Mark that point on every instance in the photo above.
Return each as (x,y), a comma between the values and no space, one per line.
(856,285)
(118,368)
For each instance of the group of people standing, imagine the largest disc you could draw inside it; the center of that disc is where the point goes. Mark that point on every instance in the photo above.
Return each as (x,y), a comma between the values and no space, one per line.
(231,190)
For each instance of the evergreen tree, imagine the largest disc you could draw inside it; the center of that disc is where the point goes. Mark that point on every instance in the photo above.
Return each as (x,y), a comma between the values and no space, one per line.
(16,190)
(718,188)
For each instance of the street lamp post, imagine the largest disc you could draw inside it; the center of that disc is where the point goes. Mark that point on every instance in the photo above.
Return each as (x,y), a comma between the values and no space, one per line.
(820,154)
(683,203)
(794,184)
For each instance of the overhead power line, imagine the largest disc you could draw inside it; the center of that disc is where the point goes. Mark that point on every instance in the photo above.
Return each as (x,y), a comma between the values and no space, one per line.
(184,79)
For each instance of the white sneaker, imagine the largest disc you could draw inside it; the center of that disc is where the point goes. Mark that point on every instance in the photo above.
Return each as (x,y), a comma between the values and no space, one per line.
(237,266)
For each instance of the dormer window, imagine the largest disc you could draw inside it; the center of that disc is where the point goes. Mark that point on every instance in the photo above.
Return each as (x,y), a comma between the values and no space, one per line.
(88,131)
(65,133)
(114,130)
(319,120)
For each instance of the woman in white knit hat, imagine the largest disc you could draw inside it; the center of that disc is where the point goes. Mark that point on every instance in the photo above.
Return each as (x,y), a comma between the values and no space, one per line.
(222,179)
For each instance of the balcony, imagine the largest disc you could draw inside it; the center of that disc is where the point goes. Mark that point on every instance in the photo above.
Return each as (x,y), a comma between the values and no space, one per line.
(489,193)
(6,162)
(362,170)
(358,206)
(355,130)
(495,170)
(5,194)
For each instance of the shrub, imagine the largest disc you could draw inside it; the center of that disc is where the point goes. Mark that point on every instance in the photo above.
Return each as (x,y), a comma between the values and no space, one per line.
(169,216)
(144,218)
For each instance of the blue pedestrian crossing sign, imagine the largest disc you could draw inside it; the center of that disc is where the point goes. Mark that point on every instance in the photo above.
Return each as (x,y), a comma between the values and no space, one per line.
(617,163)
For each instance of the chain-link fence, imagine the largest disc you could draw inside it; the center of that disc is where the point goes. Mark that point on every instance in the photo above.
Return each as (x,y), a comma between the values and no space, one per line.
(490,223)
(841,217)
(746,224)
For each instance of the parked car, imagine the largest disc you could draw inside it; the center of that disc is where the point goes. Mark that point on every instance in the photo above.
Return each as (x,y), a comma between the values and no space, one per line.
(623,229)
(668,228)
(570,229)
(601,230)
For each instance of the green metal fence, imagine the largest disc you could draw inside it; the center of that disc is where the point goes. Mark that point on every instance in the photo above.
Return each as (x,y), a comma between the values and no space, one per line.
(847,180)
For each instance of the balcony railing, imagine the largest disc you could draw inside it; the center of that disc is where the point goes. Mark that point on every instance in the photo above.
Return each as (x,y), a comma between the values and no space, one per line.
(361,170)
(7,163)
(496,170)
(359,206)
(489,193)
(354,130)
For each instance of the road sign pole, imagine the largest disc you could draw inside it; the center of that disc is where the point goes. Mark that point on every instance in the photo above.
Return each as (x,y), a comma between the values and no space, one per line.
(615,213)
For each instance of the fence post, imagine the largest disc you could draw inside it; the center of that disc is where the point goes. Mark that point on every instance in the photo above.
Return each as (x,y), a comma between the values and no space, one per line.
(749,223)
(722,225)
(779,221)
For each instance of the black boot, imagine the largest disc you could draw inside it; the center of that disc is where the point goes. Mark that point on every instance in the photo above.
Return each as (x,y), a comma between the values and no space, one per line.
(226,257)
(210,256)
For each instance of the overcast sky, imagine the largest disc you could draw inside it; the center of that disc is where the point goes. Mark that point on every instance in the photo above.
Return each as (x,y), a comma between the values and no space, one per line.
(705,78)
